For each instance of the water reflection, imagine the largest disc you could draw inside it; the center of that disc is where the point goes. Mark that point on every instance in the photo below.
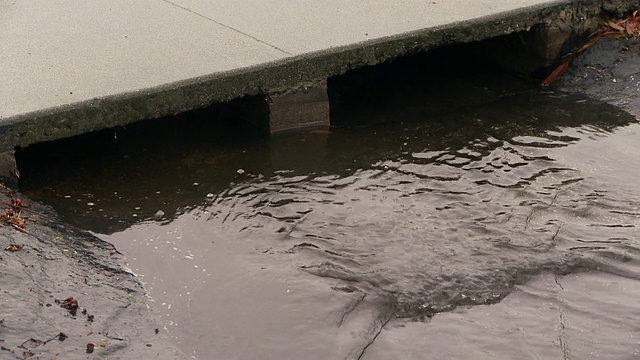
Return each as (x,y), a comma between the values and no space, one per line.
(177,172)
(401,219)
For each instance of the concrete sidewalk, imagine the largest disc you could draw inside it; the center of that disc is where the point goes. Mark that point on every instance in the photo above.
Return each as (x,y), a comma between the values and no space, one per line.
(69,66)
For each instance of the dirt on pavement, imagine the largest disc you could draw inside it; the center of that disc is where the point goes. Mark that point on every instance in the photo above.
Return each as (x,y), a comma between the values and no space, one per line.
(64,296)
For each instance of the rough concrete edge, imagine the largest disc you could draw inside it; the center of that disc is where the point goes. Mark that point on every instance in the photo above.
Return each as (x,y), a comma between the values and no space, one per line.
(58,260)
(272,77)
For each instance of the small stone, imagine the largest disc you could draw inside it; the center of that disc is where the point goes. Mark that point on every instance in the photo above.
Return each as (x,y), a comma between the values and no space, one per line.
(158,215)
(240,171)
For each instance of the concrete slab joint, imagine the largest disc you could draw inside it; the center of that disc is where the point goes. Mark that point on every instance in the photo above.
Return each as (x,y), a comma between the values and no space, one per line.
(303,107)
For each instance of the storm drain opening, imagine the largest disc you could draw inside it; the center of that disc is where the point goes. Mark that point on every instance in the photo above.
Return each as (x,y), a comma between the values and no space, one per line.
(426,85)
(243,118)
(141,157)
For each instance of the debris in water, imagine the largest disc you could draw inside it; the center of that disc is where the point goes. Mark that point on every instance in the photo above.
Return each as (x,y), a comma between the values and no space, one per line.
(158,215)
(611,27)
(13,214)
(70,304)
(557,72)
(32,342)
(320,132)
(14,247)
(28,353)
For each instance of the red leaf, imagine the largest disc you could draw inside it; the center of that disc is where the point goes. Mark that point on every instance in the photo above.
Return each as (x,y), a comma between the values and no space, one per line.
(611,33)
(589,43)
(557,72)
(631,26)
(320,132)
(616,26)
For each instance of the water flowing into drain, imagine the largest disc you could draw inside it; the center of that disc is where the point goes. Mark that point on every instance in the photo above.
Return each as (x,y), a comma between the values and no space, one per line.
(313,234)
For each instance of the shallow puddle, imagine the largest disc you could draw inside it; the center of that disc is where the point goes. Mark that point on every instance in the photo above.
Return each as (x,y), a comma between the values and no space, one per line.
(313,245)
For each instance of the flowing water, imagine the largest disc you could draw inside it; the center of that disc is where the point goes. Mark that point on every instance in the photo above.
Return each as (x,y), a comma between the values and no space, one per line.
(314,244)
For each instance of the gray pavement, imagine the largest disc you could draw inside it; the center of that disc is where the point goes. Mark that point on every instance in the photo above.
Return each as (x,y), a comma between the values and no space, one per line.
(119,61)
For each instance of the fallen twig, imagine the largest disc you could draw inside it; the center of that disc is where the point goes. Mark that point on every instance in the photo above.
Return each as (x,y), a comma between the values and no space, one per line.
(628,27)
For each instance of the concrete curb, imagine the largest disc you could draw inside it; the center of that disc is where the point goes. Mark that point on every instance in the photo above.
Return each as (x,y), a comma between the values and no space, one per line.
(275,77)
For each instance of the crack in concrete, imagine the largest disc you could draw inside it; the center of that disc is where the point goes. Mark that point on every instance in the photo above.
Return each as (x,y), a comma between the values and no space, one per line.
(558,282)
(528,220)
(230,28)
(552,203)
(563,325)
(561,337)
(296,223)
(373,339)
(553,239)
(555,198)
(351,307)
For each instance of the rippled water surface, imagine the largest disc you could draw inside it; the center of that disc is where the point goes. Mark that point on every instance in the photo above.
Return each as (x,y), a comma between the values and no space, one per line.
(311,245)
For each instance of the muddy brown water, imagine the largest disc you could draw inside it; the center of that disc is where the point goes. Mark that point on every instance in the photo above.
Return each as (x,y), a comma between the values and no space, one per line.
(502,226)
